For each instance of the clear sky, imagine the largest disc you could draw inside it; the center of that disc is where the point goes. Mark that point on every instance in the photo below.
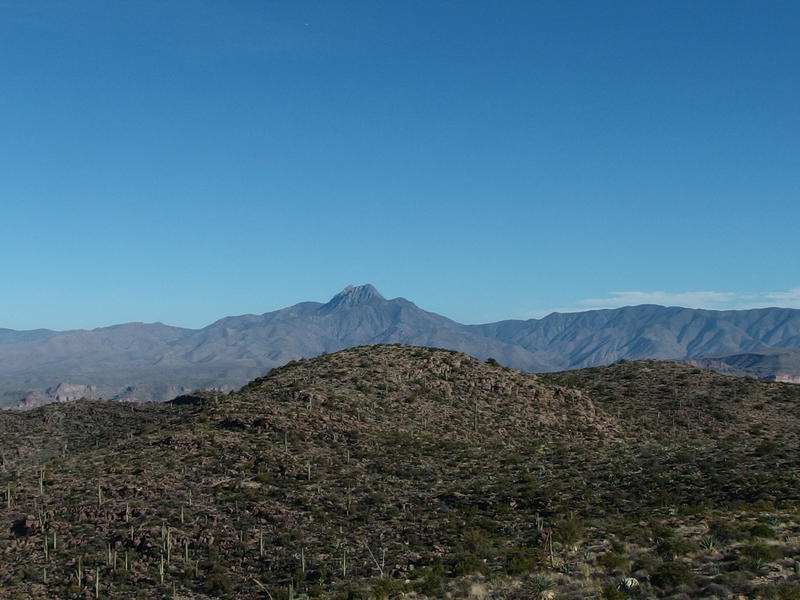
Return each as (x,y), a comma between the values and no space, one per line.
(181,161)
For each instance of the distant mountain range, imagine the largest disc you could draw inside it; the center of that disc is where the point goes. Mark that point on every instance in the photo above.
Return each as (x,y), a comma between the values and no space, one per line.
(139,361)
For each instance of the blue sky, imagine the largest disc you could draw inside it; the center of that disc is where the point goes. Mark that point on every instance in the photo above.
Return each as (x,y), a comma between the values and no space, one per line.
(181,161)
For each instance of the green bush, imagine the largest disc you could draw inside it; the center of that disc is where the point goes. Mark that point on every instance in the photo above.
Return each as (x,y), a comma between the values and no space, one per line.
(385,587)
(762,530)
(479,542)
(661,531)
(521,560)
(428,580)
(671,574)
(783,591)
(469,564)
(611,592)
(760,551)
(612,561)
(725,531)
(568,530)
(673,548)
(218,584)
(646,562)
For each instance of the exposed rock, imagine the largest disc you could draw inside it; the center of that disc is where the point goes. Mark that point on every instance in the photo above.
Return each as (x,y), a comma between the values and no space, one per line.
(63,392)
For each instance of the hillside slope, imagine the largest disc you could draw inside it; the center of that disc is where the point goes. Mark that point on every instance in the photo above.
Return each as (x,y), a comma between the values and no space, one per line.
(386,470)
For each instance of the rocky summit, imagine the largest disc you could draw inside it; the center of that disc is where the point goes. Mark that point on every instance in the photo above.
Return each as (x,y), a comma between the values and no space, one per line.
(408,472)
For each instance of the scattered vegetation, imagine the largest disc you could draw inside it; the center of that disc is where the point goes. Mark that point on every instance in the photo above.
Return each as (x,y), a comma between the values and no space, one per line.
(395,471)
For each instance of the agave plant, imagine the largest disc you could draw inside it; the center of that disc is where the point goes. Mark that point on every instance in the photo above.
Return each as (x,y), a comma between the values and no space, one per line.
(542,586)
(708,543)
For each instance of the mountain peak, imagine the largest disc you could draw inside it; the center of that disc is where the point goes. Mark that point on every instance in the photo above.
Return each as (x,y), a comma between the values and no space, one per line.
(353,295)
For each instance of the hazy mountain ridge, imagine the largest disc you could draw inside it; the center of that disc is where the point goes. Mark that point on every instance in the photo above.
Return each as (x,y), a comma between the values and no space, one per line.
(649,331)
(778,365)
(151,361)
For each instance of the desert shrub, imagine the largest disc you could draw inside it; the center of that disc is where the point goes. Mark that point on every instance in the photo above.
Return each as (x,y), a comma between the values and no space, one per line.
(529,486)
(541,583)
(673,548)
(217,582)
(568,530)
(671,574)
(521,560)
(759,552)
(248,495)
(352,592)
(661,531)
(611,592)
(762,530)
(385,587)
(514,458)
(696,508)
(479,542)
(763,505)
(783,591)
(767,448)
(469,564)
(428,580)
(725,531)
(736,580)
(613,561)
(646,562)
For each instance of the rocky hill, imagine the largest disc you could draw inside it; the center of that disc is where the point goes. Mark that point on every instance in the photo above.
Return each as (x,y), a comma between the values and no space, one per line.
(138,361)
(397,471)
